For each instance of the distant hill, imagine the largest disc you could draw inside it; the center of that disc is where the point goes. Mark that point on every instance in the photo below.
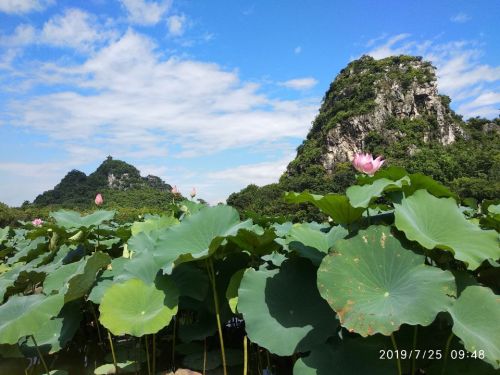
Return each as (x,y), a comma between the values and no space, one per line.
(388,107)
(120,183)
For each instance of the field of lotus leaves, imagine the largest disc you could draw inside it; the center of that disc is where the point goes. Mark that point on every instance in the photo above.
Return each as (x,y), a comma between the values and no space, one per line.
(403,279)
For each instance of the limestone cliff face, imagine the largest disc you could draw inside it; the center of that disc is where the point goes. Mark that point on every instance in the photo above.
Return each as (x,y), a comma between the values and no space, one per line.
(367,98)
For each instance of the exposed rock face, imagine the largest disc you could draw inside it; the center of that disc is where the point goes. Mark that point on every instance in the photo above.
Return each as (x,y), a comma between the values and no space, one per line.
(393,99)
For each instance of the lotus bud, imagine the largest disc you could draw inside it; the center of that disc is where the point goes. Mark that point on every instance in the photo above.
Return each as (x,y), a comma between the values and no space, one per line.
(193,193)
(98,200)
(365,163)
(37,222)
(175,191)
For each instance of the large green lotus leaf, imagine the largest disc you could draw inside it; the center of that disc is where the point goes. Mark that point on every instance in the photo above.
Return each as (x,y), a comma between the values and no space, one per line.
(72,219)
(54,334)
(232,290)
(283,310)
(420,181)
(7,279)
(191,281)
(255,240)
(375,284)
(24,315)
(4,233)
(75,279)
(28,250)
(476,320)
(312,243)
(437,222)
(361,196)
(153,223)
(197,236)
(114,273)
(351,356)
(334,205)
(137,309)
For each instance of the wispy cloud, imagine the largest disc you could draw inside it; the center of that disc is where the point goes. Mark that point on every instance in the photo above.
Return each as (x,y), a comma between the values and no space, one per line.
(74,28)
(176,24)
(146,13)
(300,83)
(297,50)
(24,6)
(460,18)
(461,75)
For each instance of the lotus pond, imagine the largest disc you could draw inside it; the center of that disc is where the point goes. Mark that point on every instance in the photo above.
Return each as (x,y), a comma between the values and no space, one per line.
(403,279)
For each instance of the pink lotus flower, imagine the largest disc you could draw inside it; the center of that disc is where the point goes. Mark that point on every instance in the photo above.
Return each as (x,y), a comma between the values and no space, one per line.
(98,200)
(37,222)
(193,193)
(175,191)
(366,164)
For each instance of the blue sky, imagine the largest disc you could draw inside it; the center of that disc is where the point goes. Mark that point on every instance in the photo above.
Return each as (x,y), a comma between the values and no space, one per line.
(212,94)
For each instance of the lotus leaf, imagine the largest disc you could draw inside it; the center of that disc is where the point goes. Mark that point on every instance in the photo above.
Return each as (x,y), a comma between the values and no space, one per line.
(4,233)
(334,205)
(54,334)
(73,220)
(375,284)
(153,223)
(24,315)
(361,196)
(283,310)
(476,320)
(136,308)
(351,356)
(437,222)
(313,243)
(75,279)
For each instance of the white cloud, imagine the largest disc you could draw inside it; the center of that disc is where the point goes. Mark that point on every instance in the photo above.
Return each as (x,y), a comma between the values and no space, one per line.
(259,174)
(23,34)
(300,83)
(297,50)
(147,13)
(139,102)
(23,6)
(176,25)
(388,48)
(460,18)
(487,105)
(461,75)
(74,28)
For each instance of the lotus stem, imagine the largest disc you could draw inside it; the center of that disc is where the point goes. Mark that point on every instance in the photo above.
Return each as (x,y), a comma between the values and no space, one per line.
(446,352)
(398,360)
(147,353)
(368,215)
(173,343)
(113,352)
(204,355)
(211,273)
(413,360)
(154,353)
(96,322)
(245,355)
(40,355)
(268,361)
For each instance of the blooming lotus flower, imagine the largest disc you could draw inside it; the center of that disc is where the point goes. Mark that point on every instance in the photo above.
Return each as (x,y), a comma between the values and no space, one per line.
(366,164)
(98,200)
(193,193)
(37,222)
(175,191)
